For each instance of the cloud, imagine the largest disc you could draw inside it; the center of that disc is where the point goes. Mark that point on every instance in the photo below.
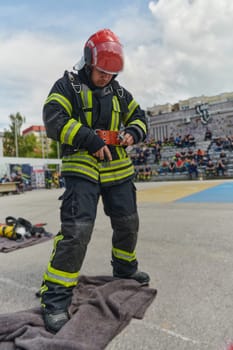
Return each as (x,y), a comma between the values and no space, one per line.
(33,63)
(173,50)
(187,53)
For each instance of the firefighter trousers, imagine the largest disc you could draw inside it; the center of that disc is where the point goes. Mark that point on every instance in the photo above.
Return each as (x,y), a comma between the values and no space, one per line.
(78,213)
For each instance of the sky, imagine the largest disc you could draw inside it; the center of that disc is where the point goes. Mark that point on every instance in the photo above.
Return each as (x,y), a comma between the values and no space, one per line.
(174,49)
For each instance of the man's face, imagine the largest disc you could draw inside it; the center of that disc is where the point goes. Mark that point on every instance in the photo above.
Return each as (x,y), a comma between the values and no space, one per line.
(99,78)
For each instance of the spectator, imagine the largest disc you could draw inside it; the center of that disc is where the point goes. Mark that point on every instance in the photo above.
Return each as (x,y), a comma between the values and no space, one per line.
(219,143)
(178,141)
(141,174)
(210,168)
(55,179)
(190,153)
(157,152)
(164,167)
(187,162)
(18,178)
(183,155)
(221,167)
(180,165)
(141,159)
(172,167)
(193,170)
(199,154)
(223,155)
(146,154)
(134,159)
(208,135)
(191,140)
(48,179)
(4,179)
(226,144)
(185,141)
(147,173)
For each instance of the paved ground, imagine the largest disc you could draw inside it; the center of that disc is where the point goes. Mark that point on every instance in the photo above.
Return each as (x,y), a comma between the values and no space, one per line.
(186,246)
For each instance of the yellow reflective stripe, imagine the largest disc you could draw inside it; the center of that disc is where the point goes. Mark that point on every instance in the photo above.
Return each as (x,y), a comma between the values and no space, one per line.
(109,166)
(116,104)
(81,158)
(115,114)
(80,168)
(115,121)
(117,175)
(121,152)
(57,276)
(62,100)
(66,279)
(132,106)
(43,288)
(86,96)
(123,255)
(82,163)
(88,115)
(140,124)
(56,239)
(69,131)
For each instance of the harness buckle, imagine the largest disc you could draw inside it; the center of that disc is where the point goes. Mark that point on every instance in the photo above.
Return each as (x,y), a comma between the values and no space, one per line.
(120,92)
(77,88)
(107,90)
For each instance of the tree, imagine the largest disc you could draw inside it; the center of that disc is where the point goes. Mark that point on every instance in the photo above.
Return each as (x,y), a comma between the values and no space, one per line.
(16,145)
(12,137)
(28,146)
(54,150)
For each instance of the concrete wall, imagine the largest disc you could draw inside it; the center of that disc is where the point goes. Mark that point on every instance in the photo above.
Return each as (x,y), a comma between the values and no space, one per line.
(220,122)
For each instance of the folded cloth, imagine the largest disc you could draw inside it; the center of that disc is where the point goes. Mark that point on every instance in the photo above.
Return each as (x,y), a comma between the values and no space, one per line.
(7,245)
(101,307)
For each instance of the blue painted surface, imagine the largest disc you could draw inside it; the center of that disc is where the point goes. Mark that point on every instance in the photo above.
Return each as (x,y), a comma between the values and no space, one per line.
(222,193)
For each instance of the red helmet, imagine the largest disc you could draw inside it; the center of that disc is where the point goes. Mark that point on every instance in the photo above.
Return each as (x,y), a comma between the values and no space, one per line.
(103,50)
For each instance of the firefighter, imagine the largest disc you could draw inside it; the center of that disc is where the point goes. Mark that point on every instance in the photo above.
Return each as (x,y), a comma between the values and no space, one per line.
(94,119)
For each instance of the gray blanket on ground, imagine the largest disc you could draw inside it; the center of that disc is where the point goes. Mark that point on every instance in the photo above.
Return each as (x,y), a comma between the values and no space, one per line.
(101,307)
(7,245)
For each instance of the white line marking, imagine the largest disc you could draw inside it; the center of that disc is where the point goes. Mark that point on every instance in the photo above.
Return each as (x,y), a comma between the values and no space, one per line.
(174,334)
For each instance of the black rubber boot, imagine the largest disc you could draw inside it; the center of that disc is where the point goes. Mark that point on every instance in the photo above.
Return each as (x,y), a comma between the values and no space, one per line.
(54,321)
(139,276)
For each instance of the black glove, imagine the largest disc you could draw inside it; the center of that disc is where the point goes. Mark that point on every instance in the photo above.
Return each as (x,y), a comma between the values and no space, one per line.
(87,139)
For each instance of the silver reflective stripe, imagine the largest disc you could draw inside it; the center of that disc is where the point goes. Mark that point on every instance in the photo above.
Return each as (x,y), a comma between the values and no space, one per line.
(82,169)
(52,276)
(121,254)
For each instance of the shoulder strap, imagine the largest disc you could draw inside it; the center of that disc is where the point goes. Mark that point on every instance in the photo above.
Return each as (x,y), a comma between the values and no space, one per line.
(77,87)
(120,93)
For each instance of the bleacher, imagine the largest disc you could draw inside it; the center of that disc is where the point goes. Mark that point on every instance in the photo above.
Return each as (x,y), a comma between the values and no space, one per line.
(168,152)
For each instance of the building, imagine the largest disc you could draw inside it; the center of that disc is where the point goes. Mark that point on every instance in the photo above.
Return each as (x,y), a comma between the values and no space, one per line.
(37,130)
(40,133)
(193,116)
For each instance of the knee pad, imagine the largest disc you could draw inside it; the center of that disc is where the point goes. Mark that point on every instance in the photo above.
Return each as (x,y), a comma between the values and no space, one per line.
(128,223)
(79,231)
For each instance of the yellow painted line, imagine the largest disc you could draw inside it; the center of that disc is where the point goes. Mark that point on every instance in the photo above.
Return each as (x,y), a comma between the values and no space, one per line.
(172,192)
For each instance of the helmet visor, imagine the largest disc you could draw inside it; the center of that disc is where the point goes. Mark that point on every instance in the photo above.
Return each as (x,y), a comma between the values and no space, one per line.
(108,57)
